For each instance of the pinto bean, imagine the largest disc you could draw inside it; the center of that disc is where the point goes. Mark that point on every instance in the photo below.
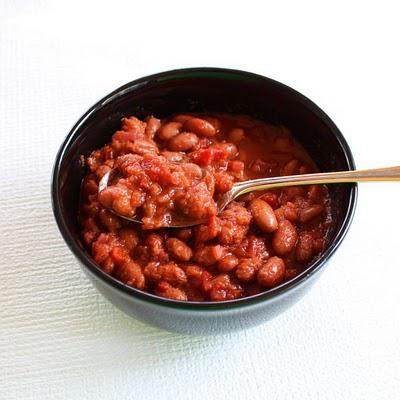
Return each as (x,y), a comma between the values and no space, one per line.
(285,238)
(152,126)
(129,237)
(263,215)
(180,250)
(131,274)
(183,142)
(291,168)
(305,248)
(236,135)
(246,270)
(169,130)
(209,255)
(228,263)
(200,127)
(307,214)
(271,273)
(164,289)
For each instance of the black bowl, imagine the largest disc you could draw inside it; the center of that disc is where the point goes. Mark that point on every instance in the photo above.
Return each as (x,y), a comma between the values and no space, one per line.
(214,90)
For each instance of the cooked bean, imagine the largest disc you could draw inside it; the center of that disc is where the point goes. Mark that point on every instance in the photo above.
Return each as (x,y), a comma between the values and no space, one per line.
(285,238)
(290,212)
(179,249)
(131,274)
(194,275)
(183,233)
(174,156)
(169,130)
(264,215)
(192,170)
(228,263)
(305,248)
(164,289)
(200,127)
(215,122)
(109,220)
(291,168)
(129,237)
(182,118)
(207,231)
(236,135)
(152,126)
(307,214)
(209,255)
(246,270)
(183,142)
(271,273)
(155,244)
(169,272)
(283,143)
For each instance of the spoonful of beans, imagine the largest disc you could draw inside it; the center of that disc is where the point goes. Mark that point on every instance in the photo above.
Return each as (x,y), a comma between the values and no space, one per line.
(114,200)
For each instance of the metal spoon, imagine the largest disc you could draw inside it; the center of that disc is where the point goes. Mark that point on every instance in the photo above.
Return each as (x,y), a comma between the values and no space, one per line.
(321,178)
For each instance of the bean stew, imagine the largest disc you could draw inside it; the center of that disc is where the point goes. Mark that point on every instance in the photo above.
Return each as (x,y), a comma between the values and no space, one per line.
(177,168)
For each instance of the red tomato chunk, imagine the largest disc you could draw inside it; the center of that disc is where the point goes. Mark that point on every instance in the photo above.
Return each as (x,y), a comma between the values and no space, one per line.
(176,169)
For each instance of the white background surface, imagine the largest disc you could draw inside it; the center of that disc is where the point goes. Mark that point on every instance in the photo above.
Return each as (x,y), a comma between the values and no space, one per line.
(59,339)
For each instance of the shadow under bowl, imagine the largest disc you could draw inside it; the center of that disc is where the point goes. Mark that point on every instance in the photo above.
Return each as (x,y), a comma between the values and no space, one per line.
(202,90)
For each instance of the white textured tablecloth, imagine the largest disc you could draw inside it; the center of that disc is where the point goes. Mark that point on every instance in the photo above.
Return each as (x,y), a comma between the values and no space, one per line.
(59,339)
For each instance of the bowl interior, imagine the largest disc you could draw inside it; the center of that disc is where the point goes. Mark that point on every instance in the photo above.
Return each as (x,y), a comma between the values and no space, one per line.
(203,90)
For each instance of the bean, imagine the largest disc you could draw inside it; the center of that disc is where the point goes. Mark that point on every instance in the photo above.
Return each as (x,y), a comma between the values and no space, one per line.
(319,245)
(228,263)
(290,212)
(173,274)
(263,215)
(209,255)
(182,118)
(109,220)
(246,270)
(310,213)
(305,248)
(194,275)
(223,182)
(207,231)
(285,238)
(192,170)
(215,122)
(152,126)
(200,127)
(183,142)
(305,169)
(164,289)
(169,130)
(173,156)
(271,273)
(270,198)
(131,274)
(129,237)
(229,149)
(155,244)
(283,143)
(236,135)
(169,272)
(315,193)
(184,233)
(291,168)
(179,249)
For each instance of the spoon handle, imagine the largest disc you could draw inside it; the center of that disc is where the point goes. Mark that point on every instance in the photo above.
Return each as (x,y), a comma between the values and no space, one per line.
(376,174)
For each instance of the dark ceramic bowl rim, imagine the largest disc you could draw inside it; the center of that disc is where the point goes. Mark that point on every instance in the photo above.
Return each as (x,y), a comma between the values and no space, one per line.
(196,305)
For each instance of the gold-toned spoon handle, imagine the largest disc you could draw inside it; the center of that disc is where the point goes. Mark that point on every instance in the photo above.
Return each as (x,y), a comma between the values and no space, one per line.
(376,174)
